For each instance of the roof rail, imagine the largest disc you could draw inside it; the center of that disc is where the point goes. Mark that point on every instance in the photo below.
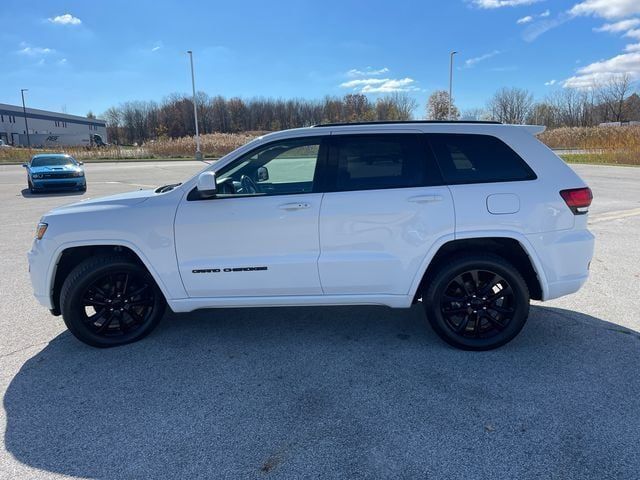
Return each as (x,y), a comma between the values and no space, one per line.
(401,122)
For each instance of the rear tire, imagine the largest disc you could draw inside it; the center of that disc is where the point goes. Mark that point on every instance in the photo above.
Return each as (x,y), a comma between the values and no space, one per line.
(477,302)
(109,300)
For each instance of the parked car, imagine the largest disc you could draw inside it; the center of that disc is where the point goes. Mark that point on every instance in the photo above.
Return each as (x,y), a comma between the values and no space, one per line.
(3,144)
(470,219)
(55,171)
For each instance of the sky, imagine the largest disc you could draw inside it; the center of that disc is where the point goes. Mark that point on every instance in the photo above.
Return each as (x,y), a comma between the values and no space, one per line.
(77,56)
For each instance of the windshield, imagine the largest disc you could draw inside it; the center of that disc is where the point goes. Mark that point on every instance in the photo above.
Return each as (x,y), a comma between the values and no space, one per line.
(52,161)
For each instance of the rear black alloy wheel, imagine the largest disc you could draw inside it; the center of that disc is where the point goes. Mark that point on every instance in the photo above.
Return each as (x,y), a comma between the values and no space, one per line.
(477,303)
(109,301)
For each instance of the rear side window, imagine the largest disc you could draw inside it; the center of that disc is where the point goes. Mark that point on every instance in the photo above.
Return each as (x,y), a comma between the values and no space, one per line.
(478,159)
(380,161)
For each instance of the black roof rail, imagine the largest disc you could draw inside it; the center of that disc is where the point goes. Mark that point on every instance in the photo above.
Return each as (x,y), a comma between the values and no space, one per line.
(409,122)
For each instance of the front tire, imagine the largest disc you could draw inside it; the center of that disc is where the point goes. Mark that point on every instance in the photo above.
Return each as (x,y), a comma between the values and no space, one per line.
(477,302)
(109,300)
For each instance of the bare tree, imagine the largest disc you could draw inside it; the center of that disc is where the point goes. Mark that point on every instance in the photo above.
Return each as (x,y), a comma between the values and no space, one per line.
(438,107)
(510,105)
(612,96)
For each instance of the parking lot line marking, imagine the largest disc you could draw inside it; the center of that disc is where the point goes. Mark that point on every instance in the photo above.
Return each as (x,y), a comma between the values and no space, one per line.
(605,217)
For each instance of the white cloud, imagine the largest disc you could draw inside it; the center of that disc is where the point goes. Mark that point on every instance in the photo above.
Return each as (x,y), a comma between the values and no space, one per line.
(472,62)
(354,72)
(530,18)
(62,61)
(534,30)
(381,85)
(34,51)
(604,70)
(635,34)
(633,47)
(606,8)
(550,83)
(66,19)
(620,26)
(489,4)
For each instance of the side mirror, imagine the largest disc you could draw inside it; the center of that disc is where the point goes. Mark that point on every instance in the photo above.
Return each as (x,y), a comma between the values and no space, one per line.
(80,163)
(25,165)
(262,174)
(207,184)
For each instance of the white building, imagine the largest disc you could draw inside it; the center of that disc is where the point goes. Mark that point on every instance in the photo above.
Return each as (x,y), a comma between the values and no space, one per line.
(48,127)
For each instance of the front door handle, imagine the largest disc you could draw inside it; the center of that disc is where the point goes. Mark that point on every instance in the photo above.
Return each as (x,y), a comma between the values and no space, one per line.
(426,199)
(294,206)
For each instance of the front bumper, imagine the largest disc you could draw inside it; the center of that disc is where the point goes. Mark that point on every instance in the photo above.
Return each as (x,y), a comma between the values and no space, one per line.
(59,183)
(39,264)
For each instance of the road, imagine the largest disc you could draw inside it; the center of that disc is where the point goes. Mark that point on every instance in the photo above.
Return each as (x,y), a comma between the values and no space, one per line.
(357,392)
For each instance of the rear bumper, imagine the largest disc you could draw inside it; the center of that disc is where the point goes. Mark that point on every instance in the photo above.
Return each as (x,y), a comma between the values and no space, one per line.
(565,257)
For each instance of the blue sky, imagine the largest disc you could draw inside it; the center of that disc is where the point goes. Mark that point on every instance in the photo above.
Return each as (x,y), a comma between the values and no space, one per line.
(82,56)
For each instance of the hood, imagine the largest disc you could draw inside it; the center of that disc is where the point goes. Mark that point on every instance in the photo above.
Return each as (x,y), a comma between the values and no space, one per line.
(104,203)
(56,168)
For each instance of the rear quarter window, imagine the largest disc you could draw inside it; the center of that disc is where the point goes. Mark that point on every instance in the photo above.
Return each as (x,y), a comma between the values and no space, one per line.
(469,158)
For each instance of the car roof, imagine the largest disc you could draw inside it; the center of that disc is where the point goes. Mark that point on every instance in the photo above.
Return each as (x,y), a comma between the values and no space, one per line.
(425,126)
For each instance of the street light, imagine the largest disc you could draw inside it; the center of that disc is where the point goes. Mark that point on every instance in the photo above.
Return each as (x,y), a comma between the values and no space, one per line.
(195,109)
(450,79)
(24,110)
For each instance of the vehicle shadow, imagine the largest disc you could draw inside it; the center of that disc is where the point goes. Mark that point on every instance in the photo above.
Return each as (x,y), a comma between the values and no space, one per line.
(51,193)
(332,392)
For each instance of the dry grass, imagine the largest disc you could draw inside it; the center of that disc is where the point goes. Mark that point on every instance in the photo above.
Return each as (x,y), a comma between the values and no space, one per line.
(212,145)
(615,145)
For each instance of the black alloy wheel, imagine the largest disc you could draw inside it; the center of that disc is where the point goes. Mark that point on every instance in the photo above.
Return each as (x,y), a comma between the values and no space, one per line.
(477,302)
(110,300)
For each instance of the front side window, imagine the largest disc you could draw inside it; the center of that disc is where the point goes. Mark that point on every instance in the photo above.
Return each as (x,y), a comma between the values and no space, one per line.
(381,161)
(279,168)
(469,158)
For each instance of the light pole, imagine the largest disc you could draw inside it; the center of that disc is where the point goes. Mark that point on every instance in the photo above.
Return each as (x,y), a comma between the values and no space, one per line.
(195,108)
(450,80)
(24,110)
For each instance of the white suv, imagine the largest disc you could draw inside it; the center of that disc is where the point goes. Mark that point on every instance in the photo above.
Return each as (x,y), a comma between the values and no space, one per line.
(471,219)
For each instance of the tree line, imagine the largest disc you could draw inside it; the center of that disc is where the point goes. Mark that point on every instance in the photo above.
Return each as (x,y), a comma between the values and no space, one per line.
(141,121)
(611,101)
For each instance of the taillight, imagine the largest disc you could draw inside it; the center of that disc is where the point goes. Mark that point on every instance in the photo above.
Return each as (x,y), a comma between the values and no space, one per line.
(577,199)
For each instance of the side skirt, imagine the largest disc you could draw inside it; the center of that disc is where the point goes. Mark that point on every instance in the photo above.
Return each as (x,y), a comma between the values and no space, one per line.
(190,304)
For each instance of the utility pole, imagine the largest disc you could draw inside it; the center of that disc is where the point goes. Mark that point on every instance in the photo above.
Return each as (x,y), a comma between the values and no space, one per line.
(450,80)
(195,108)
(24,110)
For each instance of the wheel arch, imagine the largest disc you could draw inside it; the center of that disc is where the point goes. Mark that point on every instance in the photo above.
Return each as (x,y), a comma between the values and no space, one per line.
(513,248)
(68,256)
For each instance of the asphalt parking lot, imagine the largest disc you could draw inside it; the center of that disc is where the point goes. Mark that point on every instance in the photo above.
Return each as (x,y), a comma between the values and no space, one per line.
(358,392)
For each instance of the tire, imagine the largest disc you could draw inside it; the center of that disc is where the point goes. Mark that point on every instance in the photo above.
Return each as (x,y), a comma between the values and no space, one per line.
(467,312)
(109,300)
(30,186)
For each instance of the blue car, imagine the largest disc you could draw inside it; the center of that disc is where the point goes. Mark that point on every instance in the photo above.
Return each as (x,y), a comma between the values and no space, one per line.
(55,171)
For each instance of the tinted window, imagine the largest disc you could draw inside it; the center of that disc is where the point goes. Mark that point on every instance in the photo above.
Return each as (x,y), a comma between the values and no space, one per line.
(478,159)
(279,168)
(369,162)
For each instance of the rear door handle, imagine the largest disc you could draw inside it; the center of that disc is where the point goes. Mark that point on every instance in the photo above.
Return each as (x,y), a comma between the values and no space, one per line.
(294,206)
(426,199)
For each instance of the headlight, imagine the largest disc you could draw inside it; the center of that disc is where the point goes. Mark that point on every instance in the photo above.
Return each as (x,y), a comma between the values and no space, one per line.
(78,174)
(38,175)
(42,227)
